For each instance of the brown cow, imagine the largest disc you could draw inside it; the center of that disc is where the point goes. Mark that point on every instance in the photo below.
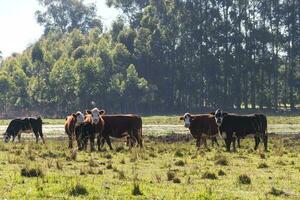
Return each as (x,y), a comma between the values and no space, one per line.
(95,118)
(119,126)
(201,127)
(72,121)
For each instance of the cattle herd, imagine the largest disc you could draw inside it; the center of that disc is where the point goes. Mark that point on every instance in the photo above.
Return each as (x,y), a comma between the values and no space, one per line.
(96,125)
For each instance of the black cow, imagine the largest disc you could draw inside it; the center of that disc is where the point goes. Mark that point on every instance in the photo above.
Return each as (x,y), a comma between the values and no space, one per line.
(24,125)
(233,126)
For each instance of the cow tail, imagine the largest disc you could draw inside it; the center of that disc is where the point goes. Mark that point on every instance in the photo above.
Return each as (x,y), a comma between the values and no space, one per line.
(140,135)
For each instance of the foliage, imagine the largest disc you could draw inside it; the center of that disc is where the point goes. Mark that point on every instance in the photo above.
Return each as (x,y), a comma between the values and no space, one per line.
(158,57)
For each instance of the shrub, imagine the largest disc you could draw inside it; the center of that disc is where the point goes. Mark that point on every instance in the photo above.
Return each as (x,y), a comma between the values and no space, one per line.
(32,172)
(119,148)
(209,175)
(109,166)
(123,161)
(158,178)
(121,175)
(136,190)
(176,180)
(108,156)
(178,153)
(152,154)
(78,190)
(59,165)
(170,175)
(221,173)
(93,163)
(262,165)
(222,161)
(244,179)
(179,163)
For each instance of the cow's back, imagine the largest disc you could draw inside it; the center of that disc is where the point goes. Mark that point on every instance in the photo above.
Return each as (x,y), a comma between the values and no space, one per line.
(203,124)
(118,124)
(240,123)
(15,125)
(122,121)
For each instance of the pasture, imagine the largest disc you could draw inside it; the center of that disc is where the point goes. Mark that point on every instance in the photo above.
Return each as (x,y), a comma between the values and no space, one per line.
(169,167)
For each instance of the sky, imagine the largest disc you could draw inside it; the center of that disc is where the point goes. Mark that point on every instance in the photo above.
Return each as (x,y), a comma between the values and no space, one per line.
(19,28)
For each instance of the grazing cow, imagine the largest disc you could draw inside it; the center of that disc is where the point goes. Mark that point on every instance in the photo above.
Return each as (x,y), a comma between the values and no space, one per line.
(201,127)
(24,125)
(119,126)
(95,118)
(233,126)
(73,121)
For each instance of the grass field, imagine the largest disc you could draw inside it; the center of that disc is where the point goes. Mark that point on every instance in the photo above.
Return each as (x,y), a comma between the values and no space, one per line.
(162,170)
(169,167)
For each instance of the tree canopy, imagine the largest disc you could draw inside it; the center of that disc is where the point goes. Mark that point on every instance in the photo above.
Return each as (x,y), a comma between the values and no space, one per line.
(159,57)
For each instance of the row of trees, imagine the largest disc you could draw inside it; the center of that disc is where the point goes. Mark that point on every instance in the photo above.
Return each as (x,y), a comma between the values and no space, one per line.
(160,56)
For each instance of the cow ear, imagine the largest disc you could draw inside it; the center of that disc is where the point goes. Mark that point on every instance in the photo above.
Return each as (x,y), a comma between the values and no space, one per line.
(181,118)
(88,112)
(102,112)
(74,115)
(212,113)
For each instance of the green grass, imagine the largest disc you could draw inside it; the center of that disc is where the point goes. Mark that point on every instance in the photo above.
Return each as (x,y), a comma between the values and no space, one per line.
(177,171)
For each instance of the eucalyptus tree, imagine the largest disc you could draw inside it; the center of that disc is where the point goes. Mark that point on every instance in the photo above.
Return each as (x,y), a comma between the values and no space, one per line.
(67,15)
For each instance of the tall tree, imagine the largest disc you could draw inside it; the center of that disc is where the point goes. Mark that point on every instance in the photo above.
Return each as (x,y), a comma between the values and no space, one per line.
(66,15)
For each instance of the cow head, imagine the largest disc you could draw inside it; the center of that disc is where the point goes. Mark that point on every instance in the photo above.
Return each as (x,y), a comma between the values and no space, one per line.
(6,137)
(95,112)
(79,117)
(219,115)
(187,119)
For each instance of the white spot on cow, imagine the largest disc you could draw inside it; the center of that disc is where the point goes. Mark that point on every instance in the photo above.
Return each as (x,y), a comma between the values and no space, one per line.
(95,115)
(79,117)
(6,138)
(187,120)
(219,117)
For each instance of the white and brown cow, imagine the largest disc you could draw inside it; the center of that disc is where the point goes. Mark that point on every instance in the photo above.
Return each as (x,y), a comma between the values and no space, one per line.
(201,126)
(72,121)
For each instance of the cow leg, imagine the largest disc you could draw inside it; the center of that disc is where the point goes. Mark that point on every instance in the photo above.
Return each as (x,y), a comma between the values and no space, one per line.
(228,141)
(198,142)
(70,141)
(19,137)
(99,142)
(233,143)
(36,136)
(239,142)
(265,140)
(92,141)
(107,139)
(257,140)
(138,137)
(42,136)
(205,143)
